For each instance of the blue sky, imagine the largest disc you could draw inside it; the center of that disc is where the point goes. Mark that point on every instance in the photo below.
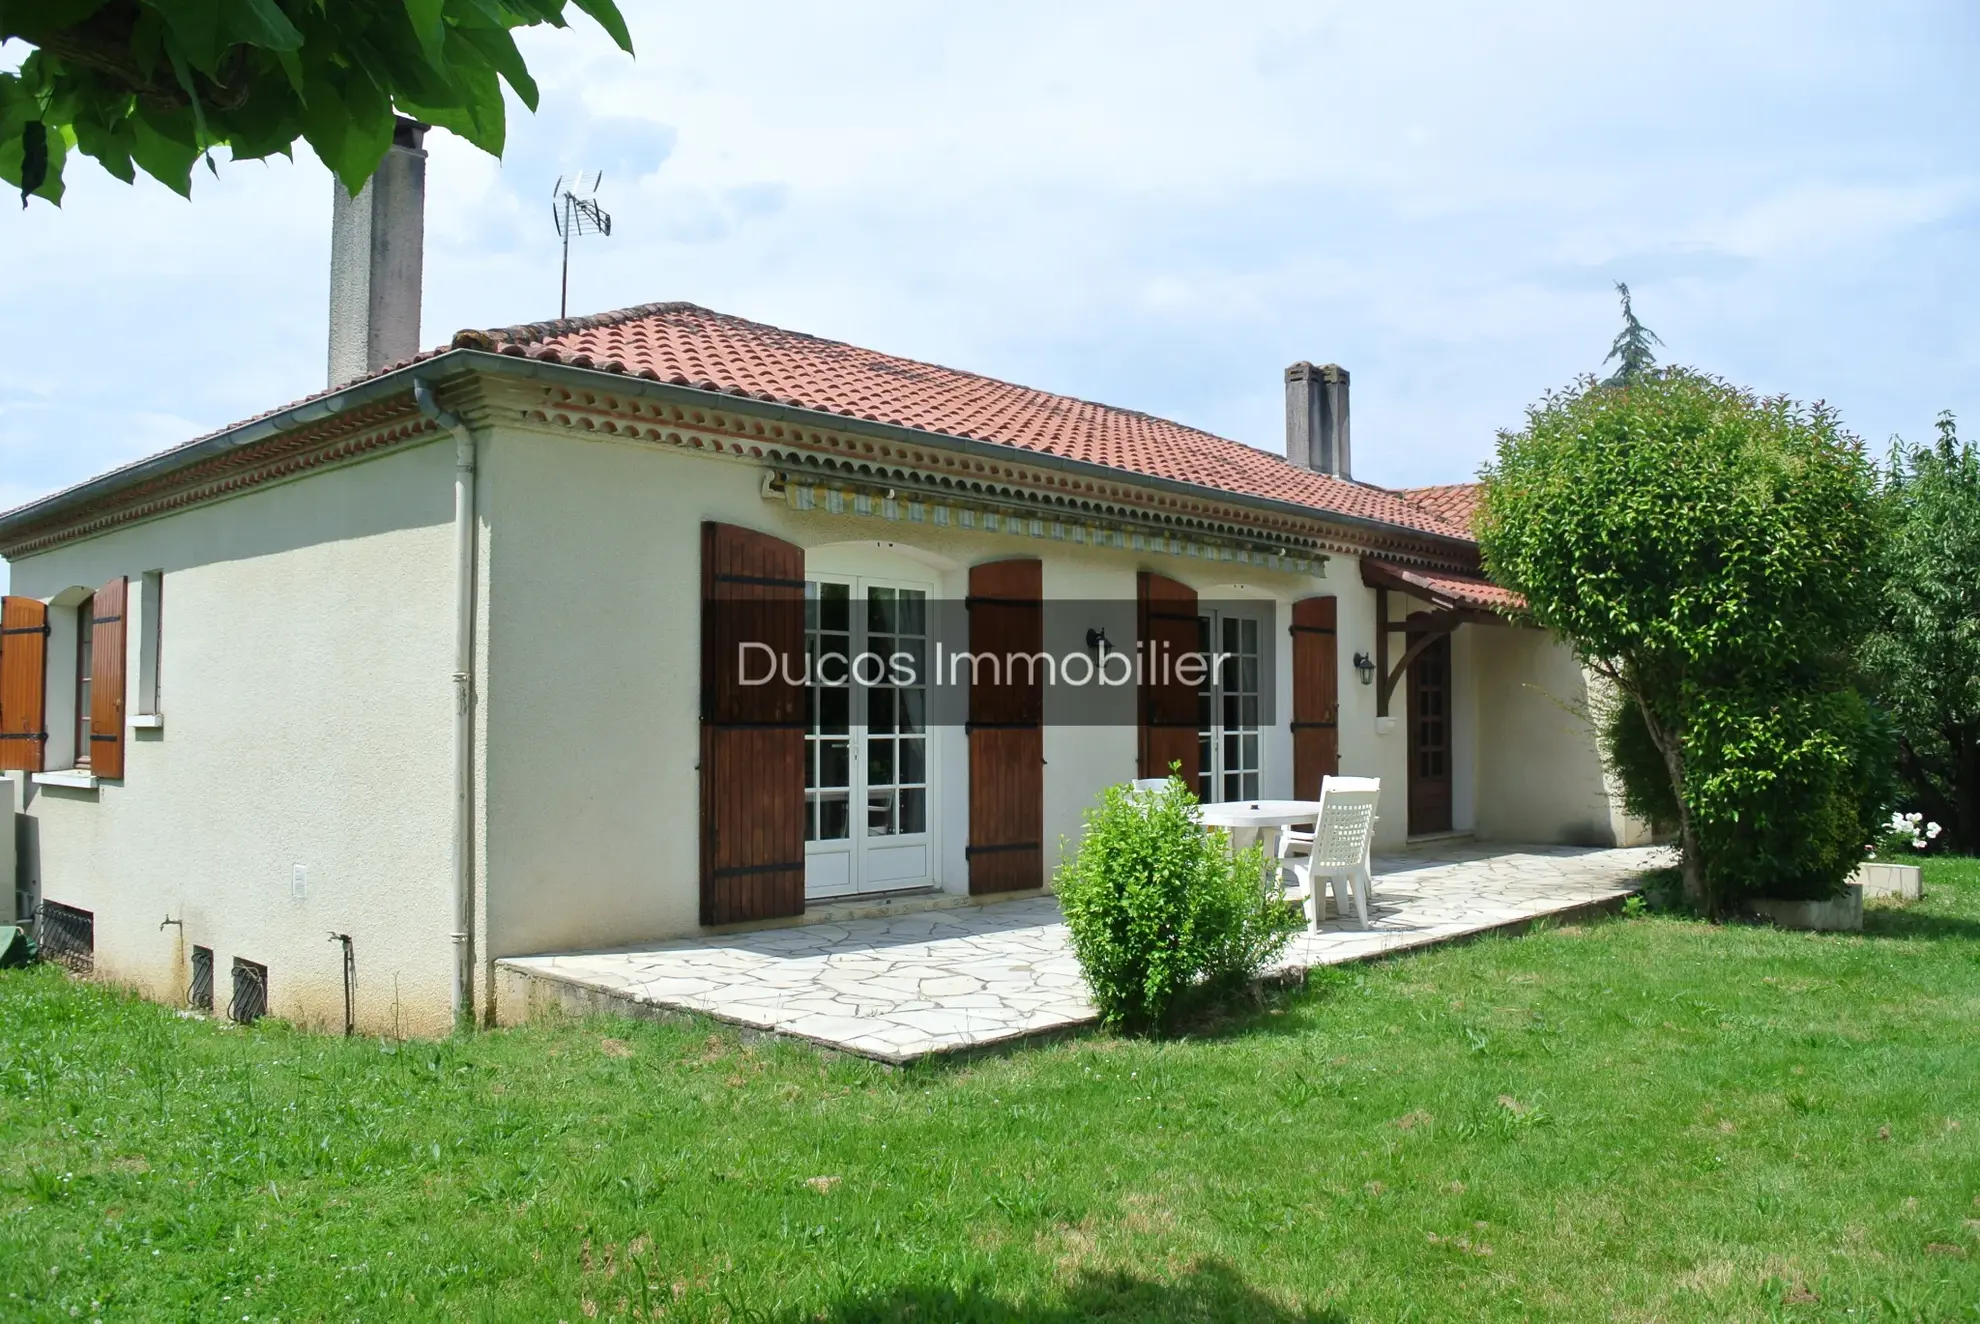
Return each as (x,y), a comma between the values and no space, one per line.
(1154,205)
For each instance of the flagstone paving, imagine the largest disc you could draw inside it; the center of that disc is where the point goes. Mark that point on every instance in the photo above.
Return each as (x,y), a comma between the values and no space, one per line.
(940,981)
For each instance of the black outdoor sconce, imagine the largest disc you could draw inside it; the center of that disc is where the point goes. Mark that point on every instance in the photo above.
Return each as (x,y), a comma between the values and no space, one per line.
(1364,666)
(1097,640)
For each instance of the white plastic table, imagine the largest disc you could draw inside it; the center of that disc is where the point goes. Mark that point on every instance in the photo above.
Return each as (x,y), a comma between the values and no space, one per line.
(1248,820)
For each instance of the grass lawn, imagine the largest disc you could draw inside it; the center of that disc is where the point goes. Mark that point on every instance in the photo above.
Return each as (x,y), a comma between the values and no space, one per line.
(1640,1119)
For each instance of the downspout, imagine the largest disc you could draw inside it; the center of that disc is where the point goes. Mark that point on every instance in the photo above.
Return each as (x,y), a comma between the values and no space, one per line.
(464,558)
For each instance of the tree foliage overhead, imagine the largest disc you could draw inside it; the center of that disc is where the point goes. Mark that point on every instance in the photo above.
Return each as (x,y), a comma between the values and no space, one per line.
(1630,351)
(154,85)
(1707,553)
(1925,653)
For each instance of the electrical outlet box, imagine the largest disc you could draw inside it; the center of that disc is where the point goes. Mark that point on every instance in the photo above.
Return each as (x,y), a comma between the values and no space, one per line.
(299,882)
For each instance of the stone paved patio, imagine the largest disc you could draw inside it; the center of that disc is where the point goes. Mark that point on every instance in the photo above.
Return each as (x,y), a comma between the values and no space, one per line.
(940,981)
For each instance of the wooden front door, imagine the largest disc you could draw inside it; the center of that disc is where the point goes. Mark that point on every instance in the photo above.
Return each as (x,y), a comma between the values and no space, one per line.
(1430,740)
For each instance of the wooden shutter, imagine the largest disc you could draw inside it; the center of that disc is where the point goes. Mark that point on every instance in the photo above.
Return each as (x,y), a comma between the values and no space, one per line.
(752,736)
(1170,715)
(1316,695)
(106,680)
(1006,850)
(23,684)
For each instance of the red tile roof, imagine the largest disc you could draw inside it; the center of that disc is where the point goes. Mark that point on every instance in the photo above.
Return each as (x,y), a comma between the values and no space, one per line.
(1455,504)
(691,346)
(1456,590)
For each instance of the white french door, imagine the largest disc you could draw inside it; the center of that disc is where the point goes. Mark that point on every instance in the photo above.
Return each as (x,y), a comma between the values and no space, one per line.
(1228,709)
(867,768)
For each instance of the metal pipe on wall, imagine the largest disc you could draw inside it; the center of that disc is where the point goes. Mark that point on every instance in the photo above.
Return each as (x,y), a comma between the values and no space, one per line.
(464,571)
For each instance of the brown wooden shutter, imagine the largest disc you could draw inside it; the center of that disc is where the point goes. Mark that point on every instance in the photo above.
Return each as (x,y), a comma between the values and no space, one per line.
(752,736)
(1316,695)
(1006,850)
(23,683)
(1170,715)
(106,679)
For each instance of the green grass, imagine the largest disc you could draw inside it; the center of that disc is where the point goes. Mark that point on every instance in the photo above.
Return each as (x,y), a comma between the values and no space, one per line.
(1644,1118)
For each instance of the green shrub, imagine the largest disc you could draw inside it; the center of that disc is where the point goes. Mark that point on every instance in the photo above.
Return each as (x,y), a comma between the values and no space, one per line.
(1158,907)
(1786,792)
(1708,554)
(1638,765)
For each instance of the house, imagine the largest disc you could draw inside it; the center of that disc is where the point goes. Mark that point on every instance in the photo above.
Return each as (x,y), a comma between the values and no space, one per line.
(334,708)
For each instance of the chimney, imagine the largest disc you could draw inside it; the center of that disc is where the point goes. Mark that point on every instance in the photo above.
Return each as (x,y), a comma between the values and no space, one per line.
(376,241)
(1317,418)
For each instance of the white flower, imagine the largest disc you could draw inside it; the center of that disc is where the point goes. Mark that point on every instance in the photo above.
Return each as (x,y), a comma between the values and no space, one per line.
(1931,831)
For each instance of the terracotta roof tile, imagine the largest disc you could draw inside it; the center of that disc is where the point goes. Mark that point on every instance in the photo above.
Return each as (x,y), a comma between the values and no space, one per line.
(1459,590)
(691,346)
(1455,504)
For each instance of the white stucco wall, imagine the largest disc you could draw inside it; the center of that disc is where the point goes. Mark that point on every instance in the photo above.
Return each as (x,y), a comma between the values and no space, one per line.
(306,656)
(1540,773)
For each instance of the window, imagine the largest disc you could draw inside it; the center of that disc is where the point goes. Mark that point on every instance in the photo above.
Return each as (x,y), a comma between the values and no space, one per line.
(199,993)
(151,615)
(85,644)
(68,935)
(250,1001)
(1228,708)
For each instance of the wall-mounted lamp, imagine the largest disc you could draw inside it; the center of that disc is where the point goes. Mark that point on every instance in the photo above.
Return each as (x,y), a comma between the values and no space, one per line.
(1097,640)
(1364,666)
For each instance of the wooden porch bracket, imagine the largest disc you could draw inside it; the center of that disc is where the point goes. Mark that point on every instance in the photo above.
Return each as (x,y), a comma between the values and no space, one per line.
(1421,629)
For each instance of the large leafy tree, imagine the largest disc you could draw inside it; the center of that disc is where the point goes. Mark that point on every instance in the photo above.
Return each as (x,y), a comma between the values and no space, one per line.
(155,85)
(1925,653)
(1707,553)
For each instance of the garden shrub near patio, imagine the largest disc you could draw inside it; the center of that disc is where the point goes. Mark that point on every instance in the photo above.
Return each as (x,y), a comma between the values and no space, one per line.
(1708,555)
(1158,907)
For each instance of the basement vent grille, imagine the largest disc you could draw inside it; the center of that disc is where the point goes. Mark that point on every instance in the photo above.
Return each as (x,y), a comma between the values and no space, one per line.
(199,993)
(67,935)
(250,1000)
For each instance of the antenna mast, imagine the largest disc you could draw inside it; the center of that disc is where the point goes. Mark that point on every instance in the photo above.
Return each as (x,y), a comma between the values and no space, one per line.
(575,211)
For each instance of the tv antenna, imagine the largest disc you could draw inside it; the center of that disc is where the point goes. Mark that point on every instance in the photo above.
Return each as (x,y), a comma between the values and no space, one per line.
(576,212)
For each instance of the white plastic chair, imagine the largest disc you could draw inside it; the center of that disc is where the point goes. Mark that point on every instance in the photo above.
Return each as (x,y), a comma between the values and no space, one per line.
(1149,785)
(1336,851)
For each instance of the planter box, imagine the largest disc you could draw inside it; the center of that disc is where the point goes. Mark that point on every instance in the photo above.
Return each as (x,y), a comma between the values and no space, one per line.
(1842,913)
(1899,880)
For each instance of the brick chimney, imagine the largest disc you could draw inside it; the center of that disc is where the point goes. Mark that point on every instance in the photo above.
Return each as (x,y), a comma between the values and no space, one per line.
(1317,418)
(376,244)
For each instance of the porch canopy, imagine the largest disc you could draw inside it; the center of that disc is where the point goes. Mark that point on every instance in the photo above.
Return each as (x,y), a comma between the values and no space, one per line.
(1454,600)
